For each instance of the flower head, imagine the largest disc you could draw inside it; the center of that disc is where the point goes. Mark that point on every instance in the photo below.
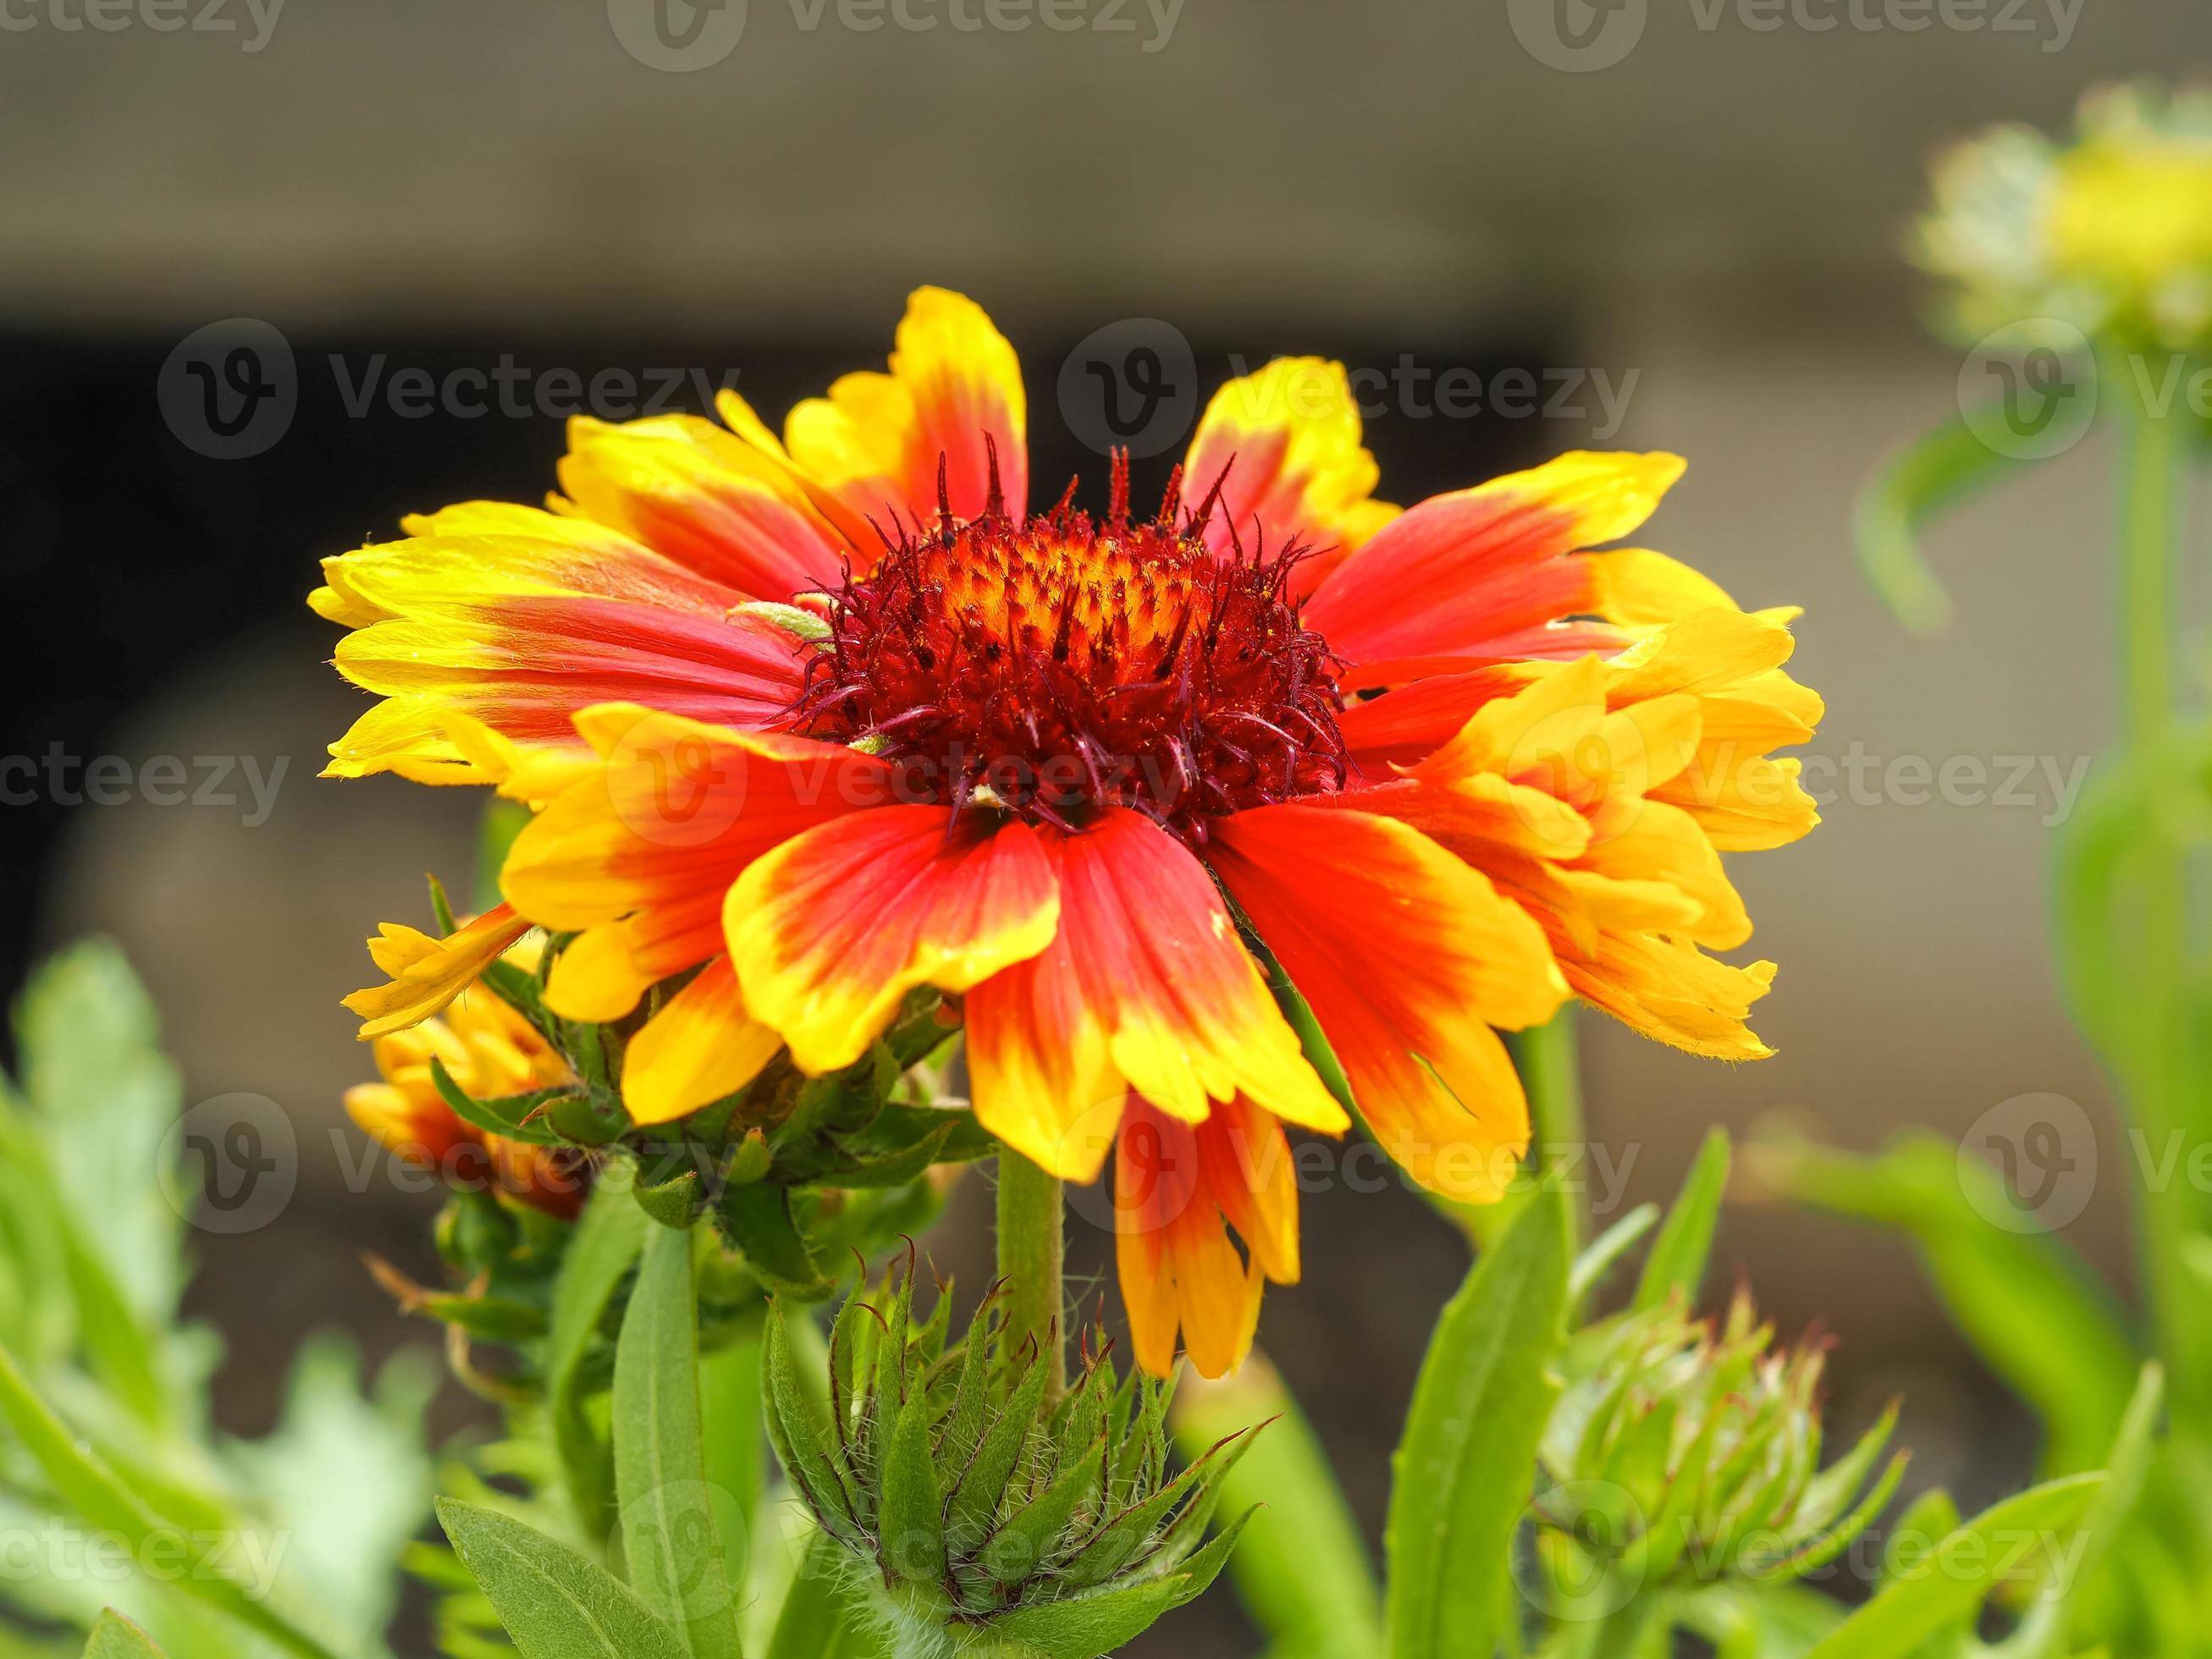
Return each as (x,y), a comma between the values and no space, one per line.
(1688,1449)
(2111,234)
(487,1050)
(817,722)
(971,1509)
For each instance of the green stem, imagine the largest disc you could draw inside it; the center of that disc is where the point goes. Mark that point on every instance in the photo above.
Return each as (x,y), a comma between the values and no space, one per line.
(1032,1259)
(1545,1055)
(2152,441)
(2153,477)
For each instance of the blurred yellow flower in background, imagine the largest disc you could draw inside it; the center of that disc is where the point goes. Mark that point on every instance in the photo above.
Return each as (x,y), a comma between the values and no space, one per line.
(2111,232)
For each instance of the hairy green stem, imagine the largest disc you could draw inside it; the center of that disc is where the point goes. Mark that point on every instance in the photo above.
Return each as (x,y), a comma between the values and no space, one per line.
(1032,1258)
(1545,1055)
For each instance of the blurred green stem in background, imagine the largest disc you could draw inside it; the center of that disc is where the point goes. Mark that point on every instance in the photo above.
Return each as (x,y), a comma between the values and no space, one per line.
(1032,1250)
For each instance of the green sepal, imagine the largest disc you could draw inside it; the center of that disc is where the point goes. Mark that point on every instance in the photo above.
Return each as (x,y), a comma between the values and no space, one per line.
(513,1117)
(802,1439)
(1092,1625)
(975,1499)
(758,1221)
(910,1520)
(675,1203)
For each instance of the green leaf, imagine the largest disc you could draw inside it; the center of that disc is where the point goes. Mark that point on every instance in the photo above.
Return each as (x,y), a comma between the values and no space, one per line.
(555,1602)
(1914,484)
(733,1435)
(2025,1299)
(348,1475)
(116,1638)
(814,1613)
(1302,1570)
(503,821)
(1677,1262)
(2043,1634)
(604,1247)
(671,1534)
(91,1489)
(798,1425)
(1615,1242)
(1997,1546)
(1466,1463)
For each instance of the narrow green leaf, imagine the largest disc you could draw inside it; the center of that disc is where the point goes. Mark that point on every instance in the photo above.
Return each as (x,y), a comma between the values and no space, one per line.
(115,1637)
(1465,1466)
(602,1249)
(982,1484)
(505,1114)
(670,1528)
(2025,1299)
(555,1602)
(2010,1541)
(1615,1242)
(1677,1262)
(813,1617)
(734,1434)
(1303,1570)
(1911,486)
(2043,1634)
(92,1489)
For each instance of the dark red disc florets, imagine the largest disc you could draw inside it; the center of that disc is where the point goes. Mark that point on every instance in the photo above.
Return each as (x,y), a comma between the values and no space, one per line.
(1062,666)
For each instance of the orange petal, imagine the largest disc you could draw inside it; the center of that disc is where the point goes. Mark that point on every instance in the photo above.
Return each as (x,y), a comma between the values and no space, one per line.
(1146,986)
(1284,443)
(1407,957)
(426,974)
(954,391)
(1180,1269)
(1479,571)
(833,928)
(703,1045)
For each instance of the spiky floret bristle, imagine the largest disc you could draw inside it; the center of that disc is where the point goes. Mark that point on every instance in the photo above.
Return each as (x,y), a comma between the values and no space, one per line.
(1063,665)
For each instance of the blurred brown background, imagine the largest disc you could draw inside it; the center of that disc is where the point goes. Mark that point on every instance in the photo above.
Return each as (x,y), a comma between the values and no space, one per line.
(1712,223)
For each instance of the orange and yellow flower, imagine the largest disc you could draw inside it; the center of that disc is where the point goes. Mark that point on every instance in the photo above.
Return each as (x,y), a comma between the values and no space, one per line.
(489,1051)
(837,717)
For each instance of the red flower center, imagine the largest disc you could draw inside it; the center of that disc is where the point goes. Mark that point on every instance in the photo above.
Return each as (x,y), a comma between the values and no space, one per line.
(1062,666)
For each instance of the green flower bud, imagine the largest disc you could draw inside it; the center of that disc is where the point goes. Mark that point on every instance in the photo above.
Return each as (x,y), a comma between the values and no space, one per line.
(978,1514)
(1683,1452)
